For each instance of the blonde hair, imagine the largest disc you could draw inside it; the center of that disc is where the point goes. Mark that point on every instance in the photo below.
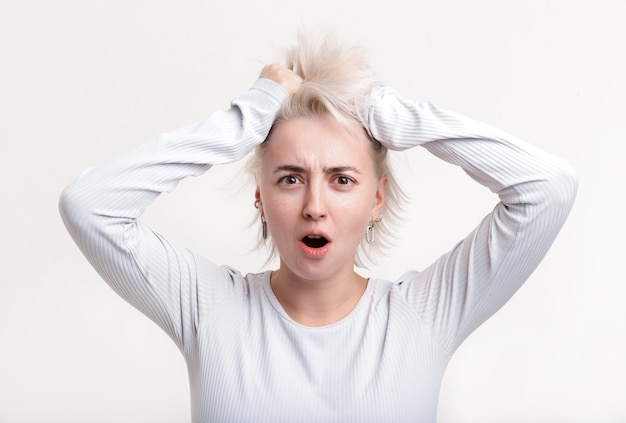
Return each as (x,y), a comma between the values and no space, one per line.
(336,80)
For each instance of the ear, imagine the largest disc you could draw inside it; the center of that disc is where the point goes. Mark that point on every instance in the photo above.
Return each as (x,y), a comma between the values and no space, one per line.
(257,199)
(379,201)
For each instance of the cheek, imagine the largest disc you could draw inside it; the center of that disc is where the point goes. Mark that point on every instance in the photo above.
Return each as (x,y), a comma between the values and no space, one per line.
(279,210)
(353,213)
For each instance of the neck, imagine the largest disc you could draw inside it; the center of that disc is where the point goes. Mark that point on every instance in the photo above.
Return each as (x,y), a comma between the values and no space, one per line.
(317,302)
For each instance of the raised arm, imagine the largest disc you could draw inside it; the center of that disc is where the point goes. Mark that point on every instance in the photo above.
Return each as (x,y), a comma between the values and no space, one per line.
(467,285)
(101,208)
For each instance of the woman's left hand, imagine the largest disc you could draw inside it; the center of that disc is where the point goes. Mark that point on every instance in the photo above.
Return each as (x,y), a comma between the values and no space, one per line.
(288,79)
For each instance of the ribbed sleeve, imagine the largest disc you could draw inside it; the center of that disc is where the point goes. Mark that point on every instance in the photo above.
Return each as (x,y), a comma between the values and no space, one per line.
(101,208)
(536,190)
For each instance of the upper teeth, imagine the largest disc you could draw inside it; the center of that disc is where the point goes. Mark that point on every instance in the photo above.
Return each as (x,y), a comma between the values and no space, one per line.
(314,236)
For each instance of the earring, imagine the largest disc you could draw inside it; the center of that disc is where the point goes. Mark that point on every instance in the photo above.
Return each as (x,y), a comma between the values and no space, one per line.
(263,222)
(369,232)
(263,227)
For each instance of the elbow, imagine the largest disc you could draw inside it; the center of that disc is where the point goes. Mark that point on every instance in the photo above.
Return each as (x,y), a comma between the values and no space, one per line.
(553,193)
(73,206)
(548,200)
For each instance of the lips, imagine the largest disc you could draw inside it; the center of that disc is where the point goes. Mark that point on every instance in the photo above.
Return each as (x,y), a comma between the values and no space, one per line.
(315,245)
(314,241)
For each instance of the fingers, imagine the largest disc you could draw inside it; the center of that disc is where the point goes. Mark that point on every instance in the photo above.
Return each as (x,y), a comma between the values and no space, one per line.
(283,76)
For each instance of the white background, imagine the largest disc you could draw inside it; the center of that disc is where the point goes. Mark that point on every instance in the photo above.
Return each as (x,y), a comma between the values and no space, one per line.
(81,81)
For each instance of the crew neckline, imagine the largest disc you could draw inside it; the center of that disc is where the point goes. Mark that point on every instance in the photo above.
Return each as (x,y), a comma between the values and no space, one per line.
(269,292)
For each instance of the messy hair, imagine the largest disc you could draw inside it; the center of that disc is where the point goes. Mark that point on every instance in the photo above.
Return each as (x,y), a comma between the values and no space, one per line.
(336,81)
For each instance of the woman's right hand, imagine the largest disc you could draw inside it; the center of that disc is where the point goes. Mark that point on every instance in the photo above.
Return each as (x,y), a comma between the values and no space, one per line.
(283,76)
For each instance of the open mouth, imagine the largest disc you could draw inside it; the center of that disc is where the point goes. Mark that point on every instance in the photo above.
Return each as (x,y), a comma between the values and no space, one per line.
(314,241)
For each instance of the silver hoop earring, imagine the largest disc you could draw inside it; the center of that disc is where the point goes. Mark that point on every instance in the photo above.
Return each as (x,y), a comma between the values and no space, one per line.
(263,227)
(369,232)
(256,203)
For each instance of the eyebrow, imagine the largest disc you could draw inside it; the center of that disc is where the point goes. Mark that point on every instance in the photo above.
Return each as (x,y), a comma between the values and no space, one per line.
(333,169)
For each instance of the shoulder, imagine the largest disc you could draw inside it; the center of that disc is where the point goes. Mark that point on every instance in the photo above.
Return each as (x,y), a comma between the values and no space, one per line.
(407,278)
(217,282)
(400,287)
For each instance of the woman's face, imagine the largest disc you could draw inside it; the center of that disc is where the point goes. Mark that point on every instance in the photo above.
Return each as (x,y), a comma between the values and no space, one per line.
(319,189)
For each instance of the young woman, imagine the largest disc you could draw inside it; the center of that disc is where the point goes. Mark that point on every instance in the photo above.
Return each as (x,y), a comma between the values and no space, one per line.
(314,341)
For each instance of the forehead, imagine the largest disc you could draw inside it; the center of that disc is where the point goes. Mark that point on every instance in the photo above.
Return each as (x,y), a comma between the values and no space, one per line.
(319,140)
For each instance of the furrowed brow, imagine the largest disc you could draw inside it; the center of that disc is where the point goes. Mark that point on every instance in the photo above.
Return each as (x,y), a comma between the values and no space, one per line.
(332,169)
(289,168)
(341,169)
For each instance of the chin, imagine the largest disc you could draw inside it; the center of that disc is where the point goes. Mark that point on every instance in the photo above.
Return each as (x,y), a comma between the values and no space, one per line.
(314,270)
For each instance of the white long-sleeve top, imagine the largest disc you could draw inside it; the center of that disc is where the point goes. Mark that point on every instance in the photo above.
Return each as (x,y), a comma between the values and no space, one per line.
(248,360)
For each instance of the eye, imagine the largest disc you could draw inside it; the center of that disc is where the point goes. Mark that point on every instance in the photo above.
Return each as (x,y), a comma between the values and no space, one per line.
(289,180)
(344,180)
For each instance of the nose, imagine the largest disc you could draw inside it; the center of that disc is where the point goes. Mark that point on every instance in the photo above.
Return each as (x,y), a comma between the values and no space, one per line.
(315,203)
